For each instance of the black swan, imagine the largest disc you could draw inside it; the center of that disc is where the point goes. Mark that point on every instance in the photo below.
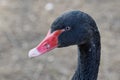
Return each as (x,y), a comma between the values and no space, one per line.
(75,28)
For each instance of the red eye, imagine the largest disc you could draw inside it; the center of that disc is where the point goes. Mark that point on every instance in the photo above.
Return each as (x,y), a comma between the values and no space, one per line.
(67,28)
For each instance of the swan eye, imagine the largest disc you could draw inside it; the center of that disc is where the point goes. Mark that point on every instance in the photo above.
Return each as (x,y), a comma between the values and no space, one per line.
(67,28)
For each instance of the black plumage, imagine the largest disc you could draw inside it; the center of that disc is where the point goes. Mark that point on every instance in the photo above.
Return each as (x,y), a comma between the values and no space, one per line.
(81,30)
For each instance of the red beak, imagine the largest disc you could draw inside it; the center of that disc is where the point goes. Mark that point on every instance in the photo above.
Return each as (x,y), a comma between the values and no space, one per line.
(50,42)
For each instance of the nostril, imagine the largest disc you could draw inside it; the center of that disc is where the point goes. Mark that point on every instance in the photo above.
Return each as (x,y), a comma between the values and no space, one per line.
(47,46)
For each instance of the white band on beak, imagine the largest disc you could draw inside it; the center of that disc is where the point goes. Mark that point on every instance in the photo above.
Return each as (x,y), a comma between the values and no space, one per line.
(33,53)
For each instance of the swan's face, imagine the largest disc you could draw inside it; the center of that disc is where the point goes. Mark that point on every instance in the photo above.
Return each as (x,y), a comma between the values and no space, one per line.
(75,30)
(66,30)
(69,35)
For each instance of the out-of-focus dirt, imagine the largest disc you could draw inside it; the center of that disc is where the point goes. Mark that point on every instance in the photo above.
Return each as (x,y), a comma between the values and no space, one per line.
(24,23)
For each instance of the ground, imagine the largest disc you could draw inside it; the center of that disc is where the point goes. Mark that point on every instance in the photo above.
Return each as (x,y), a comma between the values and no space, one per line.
(24,23)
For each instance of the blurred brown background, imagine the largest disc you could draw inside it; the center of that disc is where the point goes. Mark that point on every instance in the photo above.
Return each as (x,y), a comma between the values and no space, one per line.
(24,23)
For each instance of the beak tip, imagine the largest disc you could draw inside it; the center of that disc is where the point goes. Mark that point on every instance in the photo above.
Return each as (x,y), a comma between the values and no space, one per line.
(33,53)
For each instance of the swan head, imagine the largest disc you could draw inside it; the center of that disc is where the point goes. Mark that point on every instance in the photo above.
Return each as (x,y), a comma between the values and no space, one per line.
(71,28)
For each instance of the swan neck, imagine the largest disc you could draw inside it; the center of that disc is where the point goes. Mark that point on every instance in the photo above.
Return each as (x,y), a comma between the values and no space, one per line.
(88,61)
